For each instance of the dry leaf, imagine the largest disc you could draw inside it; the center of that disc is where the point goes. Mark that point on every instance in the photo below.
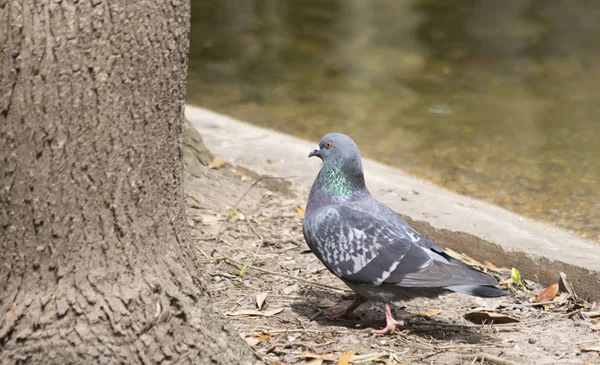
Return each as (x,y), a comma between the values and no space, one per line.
(262,337)
(253,312)
(308,355)
(317,361)
(251,341)
(590,349)
(217,163)
(431,313)
(367,358)
(505,283)
(594,314)
(208,219)
(260,299)
(489,265)
(254,340)
(300,212)
(487,316)
(548,294)
(272,312)
(566,285)
(346,358)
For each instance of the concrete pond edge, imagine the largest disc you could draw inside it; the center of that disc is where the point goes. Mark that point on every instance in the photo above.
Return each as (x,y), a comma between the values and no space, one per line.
(467,225)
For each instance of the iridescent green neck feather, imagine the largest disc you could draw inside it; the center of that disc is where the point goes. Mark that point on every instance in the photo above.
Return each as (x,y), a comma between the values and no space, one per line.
(337,183)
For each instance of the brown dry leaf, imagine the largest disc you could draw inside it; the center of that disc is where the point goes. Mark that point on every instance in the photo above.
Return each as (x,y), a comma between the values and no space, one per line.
(253,312)
(504,283)
(260,299)
(346,358)
(308,355)
(300,212)
(489,265)
(548,294)
(253,340)
(217,163)
(431,313)
(262,337)
(317,361)
(486,316)
(590,349)
(462,257)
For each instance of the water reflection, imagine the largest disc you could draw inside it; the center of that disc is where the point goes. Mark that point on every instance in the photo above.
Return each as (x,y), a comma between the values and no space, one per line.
(497,100)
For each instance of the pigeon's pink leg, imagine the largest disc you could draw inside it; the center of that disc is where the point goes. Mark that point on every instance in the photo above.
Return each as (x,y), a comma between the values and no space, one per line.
(358,300)
(391,323)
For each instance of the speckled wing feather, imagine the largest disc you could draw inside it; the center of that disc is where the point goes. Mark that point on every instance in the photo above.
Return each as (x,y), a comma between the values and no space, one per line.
(360,247)
(365,242)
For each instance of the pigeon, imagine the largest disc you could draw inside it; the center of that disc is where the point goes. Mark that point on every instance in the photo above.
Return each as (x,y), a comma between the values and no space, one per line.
(370,247)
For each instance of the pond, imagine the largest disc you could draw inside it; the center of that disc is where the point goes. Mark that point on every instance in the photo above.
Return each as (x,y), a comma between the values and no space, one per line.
(498,100)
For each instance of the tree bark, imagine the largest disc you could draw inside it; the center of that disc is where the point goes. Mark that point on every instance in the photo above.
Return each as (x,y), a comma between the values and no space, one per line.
(95,261)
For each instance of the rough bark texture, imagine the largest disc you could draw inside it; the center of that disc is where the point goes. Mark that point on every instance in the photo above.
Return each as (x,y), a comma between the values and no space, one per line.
(95,261)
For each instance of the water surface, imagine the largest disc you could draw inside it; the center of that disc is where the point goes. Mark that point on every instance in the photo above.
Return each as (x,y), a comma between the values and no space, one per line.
(499,100)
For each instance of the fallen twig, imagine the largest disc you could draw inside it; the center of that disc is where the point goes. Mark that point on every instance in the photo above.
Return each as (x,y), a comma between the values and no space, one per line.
(489,358)
(261,238)
(535,304)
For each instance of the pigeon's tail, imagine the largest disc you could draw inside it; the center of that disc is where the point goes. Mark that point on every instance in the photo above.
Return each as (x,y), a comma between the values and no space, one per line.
(479,290)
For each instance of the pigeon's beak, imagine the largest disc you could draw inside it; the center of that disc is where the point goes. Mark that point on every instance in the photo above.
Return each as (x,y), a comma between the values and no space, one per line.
(314,153)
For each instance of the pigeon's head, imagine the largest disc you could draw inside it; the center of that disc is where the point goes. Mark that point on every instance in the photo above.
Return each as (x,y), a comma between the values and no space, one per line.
(336,148)
(341,177)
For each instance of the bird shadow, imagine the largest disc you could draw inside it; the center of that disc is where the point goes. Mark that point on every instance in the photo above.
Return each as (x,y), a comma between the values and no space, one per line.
(372,315)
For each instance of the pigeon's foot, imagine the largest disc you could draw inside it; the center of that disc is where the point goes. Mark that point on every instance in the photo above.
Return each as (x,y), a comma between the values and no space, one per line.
(391,323)
(389,329)
(358,300)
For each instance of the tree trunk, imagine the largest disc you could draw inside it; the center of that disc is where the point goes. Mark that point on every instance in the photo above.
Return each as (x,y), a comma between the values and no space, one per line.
(95,261)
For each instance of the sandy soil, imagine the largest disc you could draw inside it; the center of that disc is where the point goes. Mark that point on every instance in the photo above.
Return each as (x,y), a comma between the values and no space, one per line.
(272,291)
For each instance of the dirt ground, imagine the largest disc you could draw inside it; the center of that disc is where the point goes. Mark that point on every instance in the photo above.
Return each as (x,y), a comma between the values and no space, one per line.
(272,291)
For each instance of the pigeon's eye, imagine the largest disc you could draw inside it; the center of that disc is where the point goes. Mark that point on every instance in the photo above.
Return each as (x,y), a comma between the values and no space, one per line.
(328,144)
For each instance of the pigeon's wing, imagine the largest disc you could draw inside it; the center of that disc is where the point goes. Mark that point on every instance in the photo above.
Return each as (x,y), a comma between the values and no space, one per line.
(360,247)
(443,271)
(415,237)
